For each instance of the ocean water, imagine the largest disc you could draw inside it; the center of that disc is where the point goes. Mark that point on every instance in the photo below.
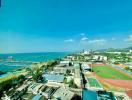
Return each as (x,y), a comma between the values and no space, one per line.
(25,59)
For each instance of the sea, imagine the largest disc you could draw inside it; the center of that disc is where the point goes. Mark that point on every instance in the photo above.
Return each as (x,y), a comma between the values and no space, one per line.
(9,62)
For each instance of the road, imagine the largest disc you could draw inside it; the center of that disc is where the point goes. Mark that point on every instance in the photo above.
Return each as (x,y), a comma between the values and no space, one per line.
(120,69)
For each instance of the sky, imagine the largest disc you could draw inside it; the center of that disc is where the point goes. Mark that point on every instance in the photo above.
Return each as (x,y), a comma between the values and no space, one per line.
(64,25)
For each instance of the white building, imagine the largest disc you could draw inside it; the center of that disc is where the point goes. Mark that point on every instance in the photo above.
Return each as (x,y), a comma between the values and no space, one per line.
(130,51)
(85,67)
(71,58)
(63,70)
(100,57)
(63,94)
(114,52)
(86,52)
(65,63)
(34,88)
(77,77)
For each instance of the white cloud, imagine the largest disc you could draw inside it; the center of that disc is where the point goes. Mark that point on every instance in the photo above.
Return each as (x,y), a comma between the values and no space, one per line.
(84,38)
(97,41)
(129,39)
(82,34)
(69,40)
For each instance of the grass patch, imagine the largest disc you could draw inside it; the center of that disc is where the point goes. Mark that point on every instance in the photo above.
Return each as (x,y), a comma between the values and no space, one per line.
(94,83)
(108,72)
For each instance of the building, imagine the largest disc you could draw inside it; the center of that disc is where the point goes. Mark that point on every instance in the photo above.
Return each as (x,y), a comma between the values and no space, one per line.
(35,88)
(89,95)
(77,77)
(86,67)
(100,58)
(86,52)
(63,70)
(130,51)
(99,95)
(114,52)
(69,58)
(16,94)
(63,94)
(48,91)
(37,97)
(22,88)
(103,95)
(59,69)
(65,62)
(53,78)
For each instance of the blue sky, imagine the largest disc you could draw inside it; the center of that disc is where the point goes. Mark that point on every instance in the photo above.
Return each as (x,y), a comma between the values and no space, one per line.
(64,25)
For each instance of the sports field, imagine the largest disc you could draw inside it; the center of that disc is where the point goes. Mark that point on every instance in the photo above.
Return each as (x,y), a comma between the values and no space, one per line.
(108,72)
(94,83)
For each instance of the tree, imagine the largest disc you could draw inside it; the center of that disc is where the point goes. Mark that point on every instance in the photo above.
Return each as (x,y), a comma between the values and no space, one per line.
(37,75)
(72,84)
(126,68)
(65,81)
(116,62)
(68,72)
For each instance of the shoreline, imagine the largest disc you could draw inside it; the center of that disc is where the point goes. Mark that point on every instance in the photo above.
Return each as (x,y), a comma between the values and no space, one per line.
(24,68)
(17,72)
(28,59)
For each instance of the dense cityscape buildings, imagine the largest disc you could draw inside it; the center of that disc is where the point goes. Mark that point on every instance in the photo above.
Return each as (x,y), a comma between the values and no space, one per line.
(78,76)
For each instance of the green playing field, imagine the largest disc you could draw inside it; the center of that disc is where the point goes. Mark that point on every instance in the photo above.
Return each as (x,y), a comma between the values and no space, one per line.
(94,83)
(108,72)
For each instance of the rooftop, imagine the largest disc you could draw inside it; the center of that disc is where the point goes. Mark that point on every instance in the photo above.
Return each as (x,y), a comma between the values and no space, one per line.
(64,62)
(28,96)
(54,77)
(22,87)
(37,97)
(89,95)
(85,66)
(63,94)
(103,95)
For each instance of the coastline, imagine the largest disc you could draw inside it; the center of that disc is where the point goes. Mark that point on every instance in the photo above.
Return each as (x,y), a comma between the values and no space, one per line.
(22,58)
(21,71)
(7,75)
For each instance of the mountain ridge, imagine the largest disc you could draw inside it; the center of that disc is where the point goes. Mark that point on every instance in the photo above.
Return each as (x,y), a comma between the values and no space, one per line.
(114,50)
